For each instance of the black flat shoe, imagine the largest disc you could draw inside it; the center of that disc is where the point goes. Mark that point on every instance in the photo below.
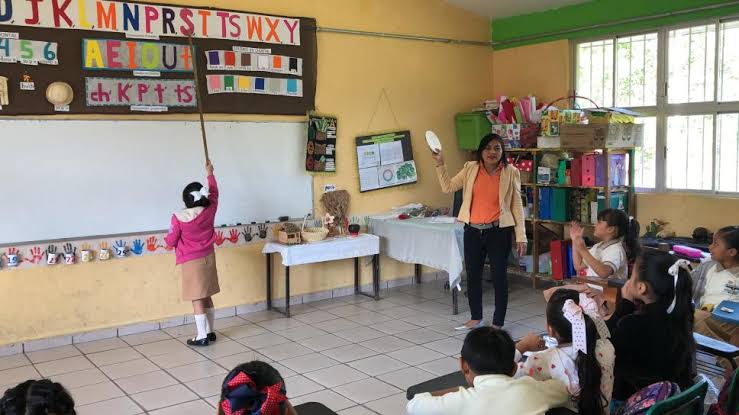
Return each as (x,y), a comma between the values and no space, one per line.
(199,343)
(212,336)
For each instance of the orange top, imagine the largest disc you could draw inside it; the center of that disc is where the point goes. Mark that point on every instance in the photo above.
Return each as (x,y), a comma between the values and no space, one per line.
(486,197)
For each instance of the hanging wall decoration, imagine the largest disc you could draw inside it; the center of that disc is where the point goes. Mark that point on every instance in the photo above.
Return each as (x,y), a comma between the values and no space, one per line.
(122,55)
(84,38)
(253,62)
(385,160)
(321,147)
(225,84)
(28,52)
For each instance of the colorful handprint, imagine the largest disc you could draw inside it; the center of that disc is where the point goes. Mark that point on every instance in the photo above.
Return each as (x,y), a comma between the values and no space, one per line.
(233,236)
(120,248)
(138,247)
(219,238)
(152,244)
(36,255)
(263,231)
(248,236)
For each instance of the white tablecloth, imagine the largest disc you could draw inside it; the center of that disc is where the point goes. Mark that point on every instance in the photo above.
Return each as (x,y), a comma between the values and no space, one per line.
(331,249)
(422,241)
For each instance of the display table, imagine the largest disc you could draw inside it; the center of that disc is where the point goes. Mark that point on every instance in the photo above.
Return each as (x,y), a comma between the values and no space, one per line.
(331,249)
(424,241)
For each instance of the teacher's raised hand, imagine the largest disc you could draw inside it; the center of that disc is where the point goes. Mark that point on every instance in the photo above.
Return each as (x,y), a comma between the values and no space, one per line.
(436,155)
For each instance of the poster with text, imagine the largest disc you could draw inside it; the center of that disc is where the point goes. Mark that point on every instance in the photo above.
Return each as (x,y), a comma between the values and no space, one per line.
(385,160)
(321,149)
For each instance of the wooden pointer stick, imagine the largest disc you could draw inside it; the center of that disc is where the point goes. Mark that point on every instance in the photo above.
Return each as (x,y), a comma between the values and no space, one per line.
(198,95)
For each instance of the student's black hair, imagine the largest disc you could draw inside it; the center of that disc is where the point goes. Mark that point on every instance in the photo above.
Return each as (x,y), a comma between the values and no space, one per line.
(489,351)
(591,399)
(484,143)
(628,228)
(261,373)
(37,397)
(730,236)
(653,266)
(189,200)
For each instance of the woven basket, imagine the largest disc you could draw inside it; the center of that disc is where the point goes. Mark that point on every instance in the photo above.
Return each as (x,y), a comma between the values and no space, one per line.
(314,234)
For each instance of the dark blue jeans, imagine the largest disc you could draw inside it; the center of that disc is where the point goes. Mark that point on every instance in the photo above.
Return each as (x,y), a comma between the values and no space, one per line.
(494,243)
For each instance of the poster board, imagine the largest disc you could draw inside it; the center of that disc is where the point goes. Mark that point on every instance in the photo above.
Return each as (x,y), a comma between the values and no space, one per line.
(109,52)
(321,148)
(385,160)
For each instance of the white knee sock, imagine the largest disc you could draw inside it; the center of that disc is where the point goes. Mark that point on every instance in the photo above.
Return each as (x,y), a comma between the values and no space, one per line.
(201,322)
(211,314)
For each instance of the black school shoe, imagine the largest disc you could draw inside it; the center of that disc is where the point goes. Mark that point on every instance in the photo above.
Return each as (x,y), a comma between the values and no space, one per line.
(198,343)
(212,336)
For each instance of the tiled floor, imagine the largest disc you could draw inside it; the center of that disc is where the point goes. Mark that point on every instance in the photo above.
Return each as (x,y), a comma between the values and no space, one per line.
(352,354)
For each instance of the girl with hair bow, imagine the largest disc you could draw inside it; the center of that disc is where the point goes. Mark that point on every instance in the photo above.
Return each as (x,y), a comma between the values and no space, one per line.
(584,357)
(192,236)
(254,388)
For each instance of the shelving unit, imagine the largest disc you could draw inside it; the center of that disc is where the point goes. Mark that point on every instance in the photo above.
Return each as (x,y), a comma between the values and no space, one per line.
(537,224)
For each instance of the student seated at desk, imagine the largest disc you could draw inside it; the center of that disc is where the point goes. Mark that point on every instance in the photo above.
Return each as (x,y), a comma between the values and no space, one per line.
(583,358)
(653,342)
(488,366)
(715,281)
(609,258)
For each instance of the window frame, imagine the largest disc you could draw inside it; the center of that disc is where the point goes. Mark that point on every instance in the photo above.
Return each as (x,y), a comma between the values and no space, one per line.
(662,110)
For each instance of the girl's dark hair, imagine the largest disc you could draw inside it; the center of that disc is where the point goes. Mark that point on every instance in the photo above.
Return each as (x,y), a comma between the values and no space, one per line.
(484,143)
(591,399)
(261,373)
(653,266)
(37,397)
(489,351)
(190,200)
(730,236)
(628,228)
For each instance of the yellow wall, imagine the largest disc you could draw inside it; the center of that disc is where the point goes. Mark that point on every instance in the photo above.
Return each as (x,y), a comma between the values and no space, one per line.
(427,84)
(544,70)
(686,212)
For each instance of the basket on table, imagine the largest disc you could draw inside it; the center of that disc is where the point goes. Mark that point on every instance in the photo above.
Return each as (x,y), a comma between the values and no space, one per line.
(313,234)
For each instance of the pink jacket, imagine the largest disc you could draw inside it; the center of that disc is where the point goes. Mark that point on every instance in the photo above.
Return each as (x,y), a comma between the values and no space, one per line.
(191,232)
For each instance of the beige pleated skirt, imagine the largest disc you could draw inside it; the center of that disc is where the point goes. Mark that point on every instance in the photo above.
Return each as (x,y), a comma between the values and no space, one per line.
(200,278)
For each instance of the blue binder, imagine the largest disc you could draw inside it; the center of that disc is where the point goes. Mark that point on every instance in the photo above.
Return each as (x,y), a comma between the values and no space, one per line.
(545,203)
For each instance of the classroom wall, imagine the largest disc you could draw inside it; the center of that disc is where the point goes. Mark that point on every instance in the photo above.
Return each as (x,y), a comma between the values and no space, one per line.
(544,70)
(427,83)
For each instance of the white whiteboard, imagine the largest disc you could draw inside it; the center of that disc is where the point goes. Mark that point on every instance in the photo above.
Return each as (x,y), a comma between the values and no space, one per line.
(65,179)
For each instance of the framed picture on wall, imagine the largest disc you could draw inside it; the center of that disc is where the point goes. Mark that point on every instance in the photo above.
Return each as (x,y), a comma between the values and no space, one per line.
(385,160)
(321,148)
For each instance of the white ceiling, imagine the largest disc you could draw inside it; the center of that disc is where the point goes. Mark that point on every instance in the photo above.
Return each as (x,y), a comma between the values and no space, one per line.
(496,9)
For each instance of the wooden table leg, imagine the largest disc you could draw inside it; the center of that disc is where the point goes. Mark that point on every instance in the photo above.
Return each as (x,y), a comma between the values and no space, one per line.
(269,281)
(455,300)
(418,273)
(375,278)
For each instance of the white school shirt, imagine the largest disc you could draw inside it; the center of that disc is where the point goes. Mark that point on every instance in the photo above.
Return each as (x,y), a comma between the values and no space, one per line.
(716,280)
(559,363)
(494,394)
(611,253)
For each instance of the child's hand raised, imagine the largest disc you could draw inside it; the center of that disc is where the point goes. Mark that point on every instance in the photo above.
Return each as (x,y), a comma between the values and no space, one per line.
(209,168)
(576,231)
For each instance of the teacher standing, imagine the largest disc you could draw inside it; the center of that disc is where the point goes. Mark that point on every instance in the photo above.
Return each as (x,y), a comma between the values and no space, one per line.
(493,215)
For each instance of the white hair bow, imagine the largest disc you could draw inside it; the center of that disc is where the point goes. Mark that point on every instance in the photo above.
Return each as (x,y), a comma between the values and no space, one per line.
(590,308)
(199,194)
(574,314)
(675,272)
